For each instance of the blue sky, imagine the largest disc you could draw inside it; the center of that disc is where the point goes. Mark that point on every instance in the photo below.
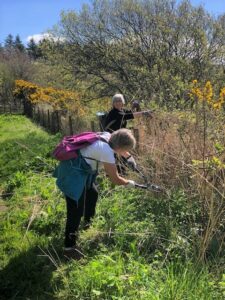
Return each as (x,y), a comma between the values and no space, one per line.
(33,17)
(215,7)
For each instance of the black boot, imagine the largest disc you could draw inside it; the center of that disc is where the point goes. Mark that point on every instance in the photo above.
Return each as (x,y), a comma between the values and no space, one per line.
(73,253)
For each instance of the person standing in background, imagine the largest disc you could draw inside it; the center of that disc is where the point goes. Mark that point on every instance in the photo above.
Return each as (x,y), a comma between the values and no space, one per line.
(118,116)
(116,119)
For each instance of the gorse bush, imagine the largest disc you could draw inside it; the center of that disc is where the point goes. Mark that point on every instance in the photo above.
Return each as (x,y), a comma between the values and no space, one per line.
(59,99)
(207,94)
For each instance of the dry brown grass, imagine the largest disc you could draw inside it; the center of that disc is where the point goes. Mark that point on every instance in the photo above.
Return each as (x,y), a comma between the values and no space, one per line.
(177,151)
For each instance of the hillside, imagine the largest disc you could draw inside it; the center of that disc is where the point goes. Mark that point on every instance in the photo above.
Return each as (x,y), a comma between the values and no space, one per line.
(141,245)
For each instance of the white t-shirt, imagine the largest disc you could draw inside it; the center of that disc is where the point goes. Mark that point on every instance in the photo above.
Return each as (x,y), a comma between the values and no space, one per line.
(99,151)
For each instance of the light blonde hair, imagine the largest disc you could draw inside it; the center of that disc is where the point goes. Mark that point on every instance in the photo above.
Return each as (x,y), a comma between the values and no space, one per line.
(122,139)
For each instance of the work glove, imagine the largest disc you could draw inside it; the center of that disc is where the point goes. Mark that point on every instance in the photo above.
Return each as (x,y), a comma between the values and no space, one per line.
(131,163)
(130,184)
(136,105)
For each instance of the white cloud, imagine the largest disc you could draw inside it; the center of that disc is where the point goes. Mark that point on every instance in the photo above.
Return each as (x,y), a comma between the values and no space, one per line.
(40,36)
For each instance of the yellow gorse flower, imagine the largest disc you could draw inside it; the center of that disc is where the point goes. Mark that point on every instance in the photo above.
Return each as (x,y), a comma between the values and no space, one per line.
(195,91)
(59,99)
(206,94)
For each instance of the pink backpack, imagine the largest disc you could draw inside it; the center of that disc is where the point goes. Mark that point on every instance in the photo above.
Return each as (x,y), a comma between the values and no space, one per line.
(68,147)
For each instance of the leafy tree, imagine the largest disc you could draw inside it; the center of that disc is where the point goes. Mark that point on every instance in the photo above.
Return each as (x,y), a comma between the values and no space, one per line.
(58,71)
(13,65)
(145,49)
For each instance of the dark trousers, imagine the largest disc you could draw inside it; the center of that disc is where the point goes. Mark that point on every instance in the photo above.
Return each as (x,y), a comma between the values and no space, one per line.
(85,207)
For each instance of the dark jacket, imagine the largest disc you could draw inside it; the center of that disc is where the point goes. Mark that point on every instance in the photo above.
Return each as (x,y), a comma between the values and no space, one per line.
(117,119)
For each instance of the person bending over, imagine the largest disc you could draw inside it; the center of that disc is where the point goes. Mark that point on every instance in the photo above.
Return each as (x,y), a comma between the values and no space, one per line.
(76,179)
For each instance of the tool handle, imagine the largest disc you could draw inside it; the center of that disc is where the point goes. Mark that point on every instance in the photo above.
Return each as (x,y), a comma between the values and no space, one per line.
(141,186)
(151,187)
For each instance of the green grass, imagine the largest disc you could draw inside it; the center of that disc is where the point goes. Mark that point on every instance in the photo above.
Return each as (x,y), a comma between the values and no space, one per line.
(24,146)
(126,277)
(149,253)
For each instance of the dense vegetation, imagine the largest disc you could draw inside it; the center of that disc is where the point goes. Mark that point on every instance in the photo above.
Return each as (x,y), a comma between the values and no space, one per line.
(150,50)
(140,245)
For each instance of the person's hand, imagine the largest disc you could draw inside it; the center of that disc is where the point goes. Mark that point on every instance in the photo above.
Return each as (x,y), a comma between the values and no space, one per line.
(130,184)
(136,105)
(131,163)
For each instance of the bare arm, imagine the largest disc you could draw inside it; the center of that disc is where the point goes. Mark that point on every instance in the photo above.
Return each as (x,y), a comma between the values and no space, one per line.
(111,171)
